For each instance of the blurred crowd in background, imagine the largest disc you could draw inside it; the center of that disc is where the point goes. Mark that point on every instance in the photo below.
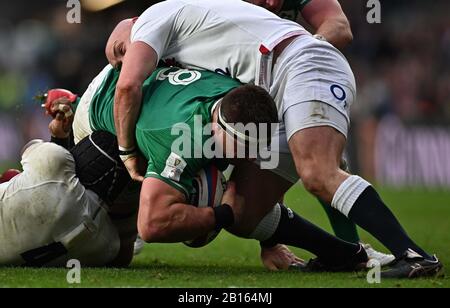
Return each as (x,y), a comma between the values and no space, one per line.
(402,65)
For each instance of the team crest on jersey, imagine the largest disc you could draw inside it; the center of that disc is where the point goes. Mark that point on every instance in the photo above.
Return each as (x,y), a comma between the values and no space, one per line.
(174,167)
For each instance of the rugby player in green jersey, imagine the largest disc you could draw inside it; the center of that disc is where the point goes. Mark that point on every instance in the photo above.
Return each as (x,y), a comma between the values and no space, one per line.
(177,100)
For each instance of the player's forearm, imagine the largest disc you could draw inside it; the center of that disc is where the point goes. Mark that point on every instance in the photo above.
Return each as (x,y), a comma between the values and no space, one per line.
(329,20)
(139,63)
(178,223)
(126,111)
(336,31)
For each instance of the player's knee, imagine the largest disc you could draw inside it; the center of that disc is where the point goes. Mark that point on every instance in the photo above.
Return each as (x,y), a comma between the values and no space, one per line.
(314,179)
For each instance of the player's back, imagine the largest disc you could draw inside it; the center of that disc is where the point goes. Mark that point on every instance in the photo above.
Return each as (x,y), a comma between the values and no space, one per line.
(46,214)
(222,36)
(176,106)
(170,96)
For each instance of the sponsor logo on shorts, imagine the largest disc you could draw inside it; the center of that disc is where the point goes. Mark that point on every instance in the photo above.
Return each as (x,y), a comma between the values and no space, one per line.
(339,93)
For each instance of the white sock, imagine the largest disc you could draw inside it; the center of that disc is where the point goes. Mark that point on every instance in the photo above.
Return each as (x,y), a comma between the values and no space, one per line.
(347,194)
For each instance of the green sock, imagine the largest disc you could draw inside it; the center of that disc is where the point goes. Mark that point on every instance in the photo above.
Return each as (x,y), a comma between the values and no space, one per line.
(343,228)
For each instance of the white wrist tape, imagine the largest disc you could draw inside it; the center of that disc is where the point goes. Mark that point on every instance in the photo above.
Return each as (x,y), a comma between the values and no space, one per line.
(123,149)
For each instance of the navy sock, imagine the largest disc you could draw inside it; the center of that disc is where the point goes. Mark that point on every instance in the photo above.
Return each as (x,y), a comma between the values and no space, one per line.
(370,213)
(298,232)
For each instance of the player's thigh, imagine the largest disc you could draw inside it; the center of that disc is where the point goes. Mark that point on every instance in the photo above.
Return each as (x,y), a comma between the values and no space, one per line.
(317,135)
(261,190)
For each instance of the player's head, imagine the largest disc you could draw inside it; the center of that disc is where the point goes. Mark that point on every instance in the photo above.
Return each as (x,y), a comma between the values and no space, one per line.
(242,120)
(119,41)
(99,167)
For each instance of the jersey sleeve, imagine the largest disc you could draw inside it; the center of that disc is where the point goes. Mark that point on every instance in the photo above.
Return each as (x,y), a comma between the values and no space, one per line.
(154,26)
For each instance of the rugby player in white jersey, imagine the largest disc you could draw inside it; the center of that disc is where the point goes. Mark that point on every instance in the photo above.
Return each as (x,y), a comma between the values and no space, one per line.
(312,84)
(329,23)
(59,207)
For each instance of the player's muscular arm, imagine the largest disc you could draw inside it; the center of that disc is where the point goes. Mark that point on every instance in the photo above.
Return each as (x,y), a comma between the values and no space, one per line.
(165,217)
(139,63)
(329,20)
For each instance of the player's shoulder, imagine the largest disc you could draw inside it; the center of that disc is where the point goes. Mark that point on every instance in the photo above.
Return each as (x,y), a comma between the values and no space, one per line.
(48,158)
(39,149)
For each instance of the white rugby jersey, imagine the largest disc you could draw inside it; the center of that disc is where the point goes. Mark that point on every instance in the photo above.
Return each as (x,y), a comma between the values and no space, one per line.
(230,37)
(47,204)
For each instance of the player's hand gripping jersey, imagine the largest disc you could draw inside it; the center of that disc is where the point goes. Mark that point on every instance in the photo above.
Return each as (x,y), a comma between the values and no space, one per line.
(176,102)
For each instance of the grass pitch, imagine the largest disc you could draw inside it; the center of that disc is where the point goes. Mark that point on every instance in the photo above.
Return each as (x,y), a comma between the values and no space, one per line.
(233,262)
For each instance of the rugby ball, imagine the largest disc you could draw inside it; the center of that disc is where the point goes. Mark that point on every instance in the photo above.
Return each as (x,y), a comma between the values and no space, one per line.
(209,186)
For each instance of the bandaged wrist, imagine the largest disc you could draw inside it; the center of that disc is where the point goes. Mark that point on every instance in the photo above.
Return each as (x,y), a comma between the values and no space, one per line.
(129,149)
(124,158)
(127,153)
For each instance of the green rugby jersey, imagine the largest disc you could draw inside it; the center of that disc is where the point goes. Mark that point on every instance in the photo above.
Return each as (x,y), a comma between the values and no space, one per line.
(172,98)
(291,8)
